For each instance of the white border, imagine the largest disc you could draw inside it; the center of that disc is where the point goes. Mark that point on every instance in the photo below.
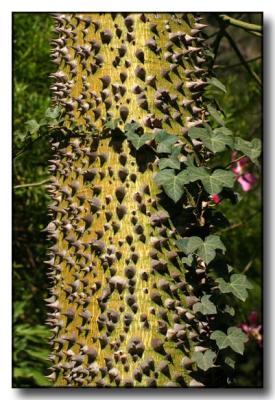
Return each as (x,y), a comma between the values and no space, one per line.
(6,7)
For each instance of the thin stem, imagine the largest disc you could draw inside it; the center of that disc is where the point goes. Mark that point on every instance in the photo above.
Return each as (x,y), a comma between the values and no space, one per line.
(237,64)
(242,59)
(234,161)
(241,24)
(32,184)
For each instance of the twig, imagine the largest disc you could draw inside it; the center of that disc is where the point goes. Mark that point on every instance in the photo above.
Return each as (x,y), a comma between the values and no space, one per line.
(234,161)
(247,267)
(237,64)
(241,24)
(242,59)
(32,184)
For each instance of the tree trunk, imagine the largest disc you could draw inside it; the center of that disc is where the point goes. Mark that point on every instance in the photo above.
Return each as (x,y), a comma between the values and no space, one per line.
(121,309)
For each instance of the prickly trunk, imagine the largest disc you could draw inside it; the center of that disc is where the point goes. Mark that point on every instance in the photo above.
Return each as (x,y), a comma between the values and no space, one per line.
(120,306)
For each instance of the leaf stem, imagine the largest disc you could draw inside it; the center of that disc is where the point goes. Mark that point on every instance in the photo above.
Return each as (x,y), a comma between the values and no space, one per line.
(33,184)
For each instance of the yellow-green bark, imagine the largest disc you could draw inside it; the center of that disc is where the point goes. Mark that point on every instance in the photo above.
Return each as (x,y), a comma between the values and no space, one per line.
(113,238)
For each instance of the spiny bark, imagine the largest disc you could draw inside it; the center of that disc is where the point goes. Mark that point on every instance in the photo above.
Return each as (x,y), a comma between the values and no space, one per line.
(120,304)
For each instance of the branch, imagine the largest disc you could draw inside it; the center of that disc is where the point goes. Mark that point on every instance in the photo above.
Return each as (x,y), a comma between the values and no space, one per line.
(241,24)
(237,64)
(32,184)
(242,59)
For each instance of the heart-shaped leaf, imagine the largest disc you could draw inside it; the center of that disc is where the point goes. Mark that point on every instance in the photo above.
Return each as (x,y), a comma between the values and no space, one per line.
(204,360)
(170,162)
(238,285)
(171,183)
(205,306)
(216,141)
(235,339)
(206,249)
(250,149)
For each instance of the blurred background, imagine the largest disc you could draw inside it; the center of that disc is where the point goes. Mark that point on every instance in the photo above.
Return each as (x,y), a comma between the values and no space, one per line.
(237,61)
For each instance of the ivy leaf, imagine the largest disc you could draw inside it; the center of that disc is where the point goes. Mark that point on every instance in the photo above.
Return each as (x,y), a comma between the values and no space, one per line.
(223,130)
(136,140)
(171,183)
(131,128)
(238,285)
(189,245)
(219,179)
(53,113)
(170,162)
(215,114)
(112,124)
(215,141)
(165,146)
(204,361)
(230,362)
(216,83)
(32,126)
(251,149)
(229,310)
(197,173)
(161,136)
(187,260)
(163,176)
(205,306)
(206,250)
(174,187)
(235,339)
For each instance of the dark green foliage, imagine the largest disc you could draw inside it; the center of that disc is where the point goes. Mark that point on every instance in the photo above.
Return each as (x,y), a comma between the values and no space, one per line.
(31,37)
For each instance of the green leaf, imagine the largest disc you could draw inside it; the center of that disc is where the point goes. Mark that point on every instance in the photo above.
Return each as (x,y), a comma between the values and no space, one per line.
(39,354)
(189,245)
(132,127)
(219,179)
(169,163)
(229,310)
(204,360)
(235,339)
(223,130)
(215,114)
(197,173)
(205,306)
(161,136)
(187,260)
(52,113)
(250,149)
(166,145)
(112,123)
(230,362)
(171,183)
(32,126)
(238,285)
(216,83)
(162,177)
(213,140)
(32,373)
(136,140)
(206,250)
(174,187)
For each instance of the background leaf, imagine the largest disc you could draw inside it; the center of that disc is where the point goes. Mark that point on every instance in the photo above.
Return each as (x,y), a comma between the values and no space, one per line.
(204,360)
(205,306)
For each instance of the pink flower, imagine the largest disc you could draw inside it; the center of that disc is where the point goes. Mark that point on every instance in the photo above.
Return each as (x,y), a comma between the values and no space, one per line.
(246,181)
(252,330)
(216,198)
